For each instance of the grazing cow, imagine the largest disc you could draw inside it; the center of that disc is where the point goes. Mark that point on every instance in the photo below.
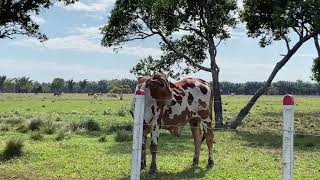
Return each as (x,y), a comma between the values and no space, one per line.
(57,93)
(171,106)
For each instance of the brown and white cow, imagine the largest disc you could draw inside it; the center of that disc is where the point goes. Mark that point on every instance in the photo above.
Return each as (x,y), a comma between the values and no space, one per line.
(173,105)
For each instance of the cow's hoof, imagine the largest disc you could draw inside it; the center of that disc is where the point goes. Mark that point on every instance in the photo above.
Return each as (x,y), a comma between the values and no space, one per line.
(143,165)
(210,164)
(195,163)
(152,171)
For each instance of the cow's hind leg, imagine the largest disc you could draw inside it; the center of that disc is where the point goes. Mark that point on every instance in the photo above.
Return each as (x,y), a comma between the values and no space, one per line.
(154,148)
(196,133)
(208,135)
(144,151)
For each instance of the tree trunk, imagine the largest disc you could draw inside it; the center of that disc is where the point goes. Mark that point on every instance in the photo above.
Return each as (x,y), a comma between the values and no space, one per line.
(244,111)
(217,100)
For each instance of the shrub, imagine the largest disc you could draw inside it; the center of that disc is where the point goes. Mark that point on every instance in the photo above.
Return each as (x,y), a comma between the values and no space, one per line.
(88,124)
(48,127)
(107,112)
(22,129)
(60,135)
(36,136)
(4,127)
(35,124)
(123,135)
(13,148)
(102,138)
(121,112)
(14,120)
(117,127)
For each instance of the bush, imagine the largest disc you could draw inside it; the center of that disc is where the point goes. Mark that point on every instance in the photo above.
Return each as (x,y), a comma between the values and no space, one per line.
(117,127)
(107,112)
(36,136)
(60,135)
(89,125)
(4,127)
(14,120)
(121,112)
(48,127)
(102,138)
(123,135)
(35,124)
(13,148)
(22,129)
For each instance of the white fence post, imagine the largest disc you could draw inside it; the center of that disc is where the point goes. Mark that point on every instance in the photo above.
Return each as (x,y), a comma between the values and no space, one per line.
(137,134)
(288,130)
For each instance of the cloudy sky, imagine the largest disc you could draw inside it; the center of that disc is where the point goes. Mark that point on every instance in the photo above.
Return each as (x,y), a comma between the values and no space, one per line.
(73,51)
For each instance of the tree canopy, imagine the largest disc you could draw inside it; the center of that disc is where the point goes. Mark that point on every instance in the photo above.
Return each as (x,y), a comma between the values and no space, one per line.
(16,17)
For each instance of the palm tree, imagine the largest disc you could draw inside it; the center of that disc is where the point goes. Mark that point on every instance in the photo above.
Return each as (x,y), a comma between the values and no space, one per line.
(70,85)
(83,84)
(22,84)
(2,80)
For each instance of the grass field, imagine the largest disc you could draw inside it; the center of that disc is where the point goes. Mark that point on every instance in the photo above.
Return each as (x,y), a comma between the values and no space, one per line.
(252,152)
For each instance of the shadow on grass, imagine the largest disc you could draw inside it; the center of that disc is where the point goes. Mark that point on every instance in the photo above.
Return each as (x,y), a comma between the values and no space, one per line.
(274,140)
(168,144)
(187,173)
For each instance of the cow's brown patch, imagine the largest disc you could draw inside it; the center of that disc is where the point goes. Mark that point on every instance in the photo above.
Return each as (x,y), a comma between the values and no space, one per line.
(202,103)
(203,89)
(178,98)
(190,98)
(204,114)
(152,110)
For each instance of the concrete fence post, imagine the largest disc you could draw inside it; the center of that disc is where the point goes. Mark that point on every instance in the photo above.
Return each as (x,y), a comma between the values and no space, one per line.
(288,131)
(137,134)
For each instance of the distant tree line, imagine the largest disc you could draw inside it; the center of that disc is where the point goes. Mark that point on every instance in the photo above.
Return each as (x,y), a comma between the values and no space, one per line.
(26,85)
(277,88)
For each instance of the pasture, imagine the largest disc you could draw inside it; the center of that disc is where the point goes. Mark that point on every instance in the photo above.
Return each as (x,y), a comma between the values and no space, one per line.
(103,151)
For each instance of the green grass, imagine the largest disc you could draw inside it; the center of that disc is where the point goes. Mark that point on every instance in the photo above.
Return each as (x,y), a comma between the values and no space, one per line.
(253,152)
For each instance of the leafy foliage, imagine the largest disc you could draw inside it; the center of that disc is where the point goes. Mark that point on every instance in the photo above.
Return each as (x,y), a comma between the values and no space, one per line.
(202,21)
(16,17)
(316,70)
(273,19)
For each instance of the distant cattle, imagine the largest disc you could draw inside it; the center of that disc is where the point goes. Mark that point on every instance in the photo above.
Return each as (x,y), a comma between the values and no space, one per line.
(173,105)
(111,95)
(90,94)
(57,93)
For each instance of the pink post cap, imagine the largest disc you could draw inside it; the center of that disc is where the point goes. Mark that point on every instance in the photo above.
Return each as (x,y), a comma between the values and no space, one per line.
(139,92)
(288,100)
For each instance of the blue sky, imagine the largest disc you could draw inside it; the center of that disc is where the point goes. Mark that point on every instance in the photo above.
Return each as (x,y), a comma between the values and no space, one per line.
(73,51)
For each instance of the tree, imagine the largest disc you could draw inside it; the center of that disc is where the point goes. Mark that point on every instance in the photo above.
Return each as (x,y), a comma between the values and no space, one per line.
(23,84)
(2,81)
(103,86)
(205,22)
(16,17)
(70,85)
(82,85)
(273,20)
(57,85)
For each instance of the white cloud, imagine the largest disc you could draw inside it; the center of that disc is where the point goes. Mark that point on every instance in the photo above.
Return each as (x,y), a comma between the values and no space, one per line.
(38,19)
(46,70)
(93,6)
(87,39)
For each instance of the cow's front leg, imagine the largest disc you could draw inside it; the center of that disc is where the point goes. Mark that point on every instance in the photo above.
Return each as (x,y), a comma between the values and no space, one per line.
(154,148)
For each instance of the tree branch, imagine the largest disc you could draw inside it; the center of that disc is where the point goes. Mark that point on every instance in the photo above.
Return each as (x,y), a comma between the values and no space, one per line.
(316,43)
(287,42)
(188,59)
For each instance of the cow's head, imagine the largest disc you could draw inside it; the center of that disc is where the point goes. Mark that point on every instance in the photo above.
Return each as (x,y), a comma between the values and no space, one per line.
(159,87)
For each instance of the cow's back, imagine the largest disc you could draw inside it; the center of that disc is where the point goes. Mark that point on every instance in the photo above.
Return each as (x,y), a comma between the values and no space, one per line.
(193,100)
